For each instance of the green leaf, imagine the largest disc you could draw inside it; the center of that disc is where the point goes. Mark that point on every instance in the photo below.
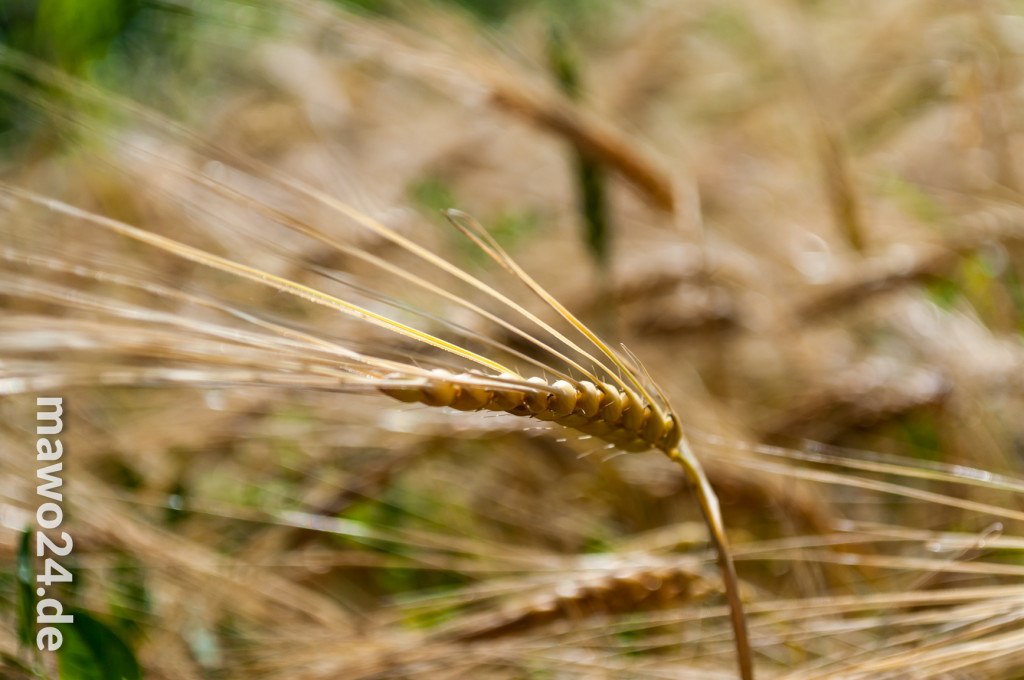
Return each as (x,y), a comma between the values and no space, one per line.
(91,650)
(26,591)
(590,173)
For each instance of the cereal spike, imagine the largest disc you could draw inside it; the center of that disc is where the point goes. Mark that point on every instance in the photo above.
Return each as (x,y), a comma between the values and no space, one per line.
(637,427)
(622,411)
(618,417)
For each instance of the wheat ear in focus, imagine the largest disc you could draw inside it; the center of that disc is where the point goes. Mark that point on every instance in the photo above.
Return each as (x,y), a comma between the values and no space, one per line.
(620,411)
(569,377)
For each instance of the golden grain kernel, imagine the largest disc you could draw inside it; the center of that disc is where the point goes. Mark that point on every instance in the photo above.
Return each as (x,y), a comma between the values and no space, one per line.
(561,403)
(633,412)
(611,409)
(588,402)
(469,397)
(409,395)
(505,399)
(440,391)
(537,402)
(598,428)
(672,434)
(654,425)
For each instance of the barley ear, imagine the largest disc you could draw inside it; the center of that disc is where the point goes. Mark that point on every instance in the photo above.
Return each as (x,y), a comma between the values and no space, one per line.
(708,502)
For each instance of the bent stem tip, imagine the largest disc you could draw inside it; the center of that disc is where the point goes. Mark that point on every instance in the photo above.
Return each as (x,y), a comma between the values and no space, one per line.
(708,501)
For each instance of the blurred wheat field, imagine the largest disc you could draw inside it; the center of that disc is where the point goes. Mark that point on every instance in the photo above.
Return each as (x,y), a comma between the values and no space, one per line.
(802,219)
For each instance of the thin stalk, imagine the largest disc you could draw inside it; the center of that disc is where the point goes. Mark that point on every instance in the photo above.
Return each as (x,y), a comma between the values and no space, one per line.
(708,502)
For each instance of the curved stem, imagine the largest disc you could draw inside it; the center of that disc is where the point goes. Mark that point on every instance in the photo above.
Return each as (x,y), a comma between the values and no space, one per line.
(708,501)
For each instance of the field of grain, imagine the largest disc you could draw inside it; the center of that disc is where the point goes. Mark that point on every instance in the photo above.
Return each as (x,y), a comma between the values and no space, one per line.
(258,250)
